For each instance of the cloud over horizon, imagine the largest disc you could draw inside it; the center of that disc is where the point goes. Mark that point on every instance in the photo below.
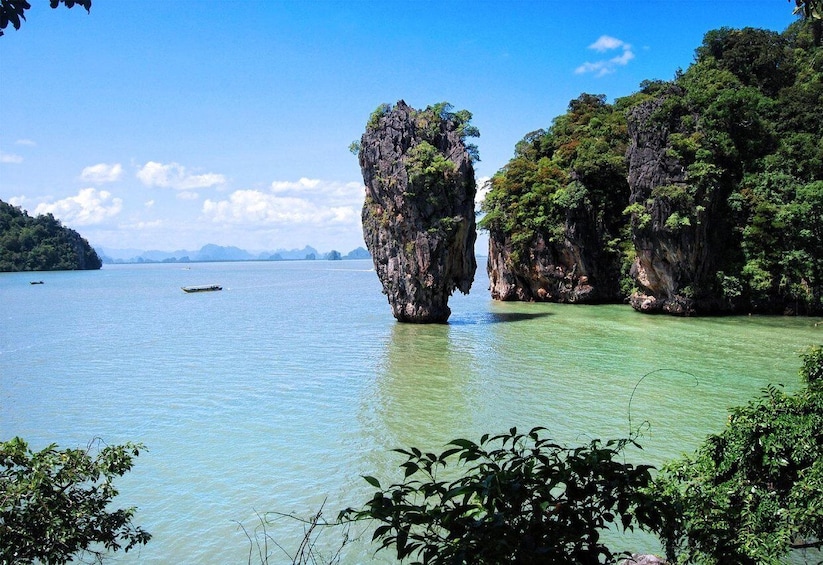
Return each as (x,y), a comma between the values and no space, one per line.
(176,176)
(310,201)
(88,207)
(603,67)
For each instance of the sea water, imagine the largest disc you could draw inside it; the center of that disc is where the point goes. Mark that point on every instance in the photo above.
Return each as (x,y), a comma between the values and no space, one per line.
(274,396)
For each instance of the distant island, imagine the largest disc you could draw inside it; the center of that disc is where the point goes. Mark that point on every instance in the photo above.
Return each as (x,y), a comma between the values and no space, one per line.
(214,253)
(41,243)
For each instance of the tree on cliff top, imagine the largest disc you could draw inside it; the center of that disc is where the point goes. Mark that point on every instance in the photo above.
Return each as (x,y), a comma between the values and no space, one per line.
(13,11)
(812,10)
(576,166)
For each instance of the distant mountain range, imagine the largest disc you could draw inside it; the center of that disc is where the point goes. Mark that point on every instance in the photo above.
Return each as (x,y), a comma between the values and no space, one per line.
(211,252)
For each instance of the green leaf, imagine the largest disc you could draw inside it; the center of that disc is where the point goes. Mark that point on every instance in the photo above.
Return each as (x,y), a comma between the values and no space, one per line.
(463,443)
(372,481)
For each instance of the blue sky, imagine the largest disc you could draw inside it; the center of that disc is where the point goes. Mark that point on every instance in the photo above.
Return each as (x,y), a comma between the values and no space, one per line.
(152,124)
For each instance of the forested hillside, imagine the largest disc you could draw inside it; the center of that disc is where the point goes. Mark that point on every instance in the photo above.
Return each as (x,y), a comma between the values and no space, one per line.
(702,194)
(41,244)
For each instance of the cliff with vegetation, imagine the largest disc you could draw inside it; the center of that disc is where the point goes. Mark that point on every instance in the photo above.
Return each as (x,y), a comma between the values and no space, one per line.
(554,213)
(418,214)
(41,243)
(703,194)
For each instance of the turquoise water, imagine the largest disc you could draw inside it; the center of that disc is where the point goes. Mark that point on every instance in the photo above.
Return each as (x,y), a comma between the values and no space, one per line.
(279,392)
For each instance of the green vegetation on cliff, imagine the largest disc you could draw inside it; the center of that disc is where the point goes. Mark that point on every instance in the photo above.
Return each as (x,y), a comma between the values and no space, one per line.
(41,244)
(578,162)
(737,217)
(748,133)
(566,184)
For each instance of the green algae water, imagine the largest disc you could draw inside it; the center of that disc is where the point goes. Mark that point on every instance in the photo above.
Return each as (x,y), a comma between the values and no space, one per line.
(278,393)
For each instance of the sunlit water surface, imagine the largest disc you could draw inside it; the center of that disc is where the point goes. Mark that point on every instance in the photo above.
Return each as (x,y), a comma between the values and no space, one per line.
(278,393)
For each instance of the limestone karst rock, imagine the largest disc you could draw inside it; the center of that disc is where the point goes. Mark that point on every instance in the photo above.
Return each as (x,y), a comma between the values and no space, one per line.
(576,270)
(418,215)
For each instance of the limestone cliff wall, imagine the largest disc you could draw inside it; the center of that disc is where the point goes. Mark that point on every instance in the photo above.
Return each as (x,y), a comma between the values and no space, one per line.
(678,230)
(567,272)
(580,267)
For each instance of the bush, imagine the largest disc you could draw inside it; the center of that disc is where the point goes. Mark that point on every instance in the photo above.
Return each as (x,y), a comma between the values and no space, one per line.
(753,493)
(528,500)
(53,503)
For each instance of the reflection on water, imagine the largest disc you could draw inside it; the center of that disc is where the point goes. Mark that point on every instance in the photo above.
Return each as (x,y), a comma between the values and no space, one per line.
(422,392)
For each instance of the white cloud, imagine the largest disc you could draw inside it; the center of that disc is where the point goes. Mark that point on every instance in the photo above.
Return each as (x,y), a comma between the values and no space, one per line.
(10,158)
(307,201)
(322,193)
(102,173)
(149,203)
(600,68)
(623,59)
(607,66)
(483,187)
(142,225)
(89,207)
(606,43)
(27,142)
(303,184)
(174,175)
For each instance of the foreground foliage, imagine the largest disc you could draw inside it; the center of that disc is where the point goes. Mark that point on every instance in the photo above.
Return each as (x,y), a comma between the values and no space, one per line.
(754,493)
(53,502)
(14,11)
(41,243)
(750,495)
(519,498)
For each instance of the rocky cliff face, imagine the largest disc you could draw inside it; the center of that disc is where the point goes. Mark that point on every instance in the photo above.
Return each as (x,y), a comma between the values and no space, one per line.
(678,228)
(418,214)
(577,270)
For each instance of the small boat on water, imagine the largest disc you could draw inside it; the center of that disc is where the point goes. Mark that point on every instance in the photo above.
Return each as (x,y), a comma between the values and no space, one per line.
(36,282)
(206,288)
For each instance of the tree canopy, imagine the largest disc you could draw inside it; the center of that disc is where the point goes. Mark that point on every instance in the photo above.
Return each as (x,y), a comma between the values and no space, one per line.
(54,503)
(754,492)
(520,498)
(14,11)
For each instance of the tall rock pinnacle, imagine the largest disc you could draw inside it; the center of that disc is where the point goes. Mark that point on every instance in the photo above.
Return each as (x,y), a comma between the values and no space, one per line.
(418,214)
